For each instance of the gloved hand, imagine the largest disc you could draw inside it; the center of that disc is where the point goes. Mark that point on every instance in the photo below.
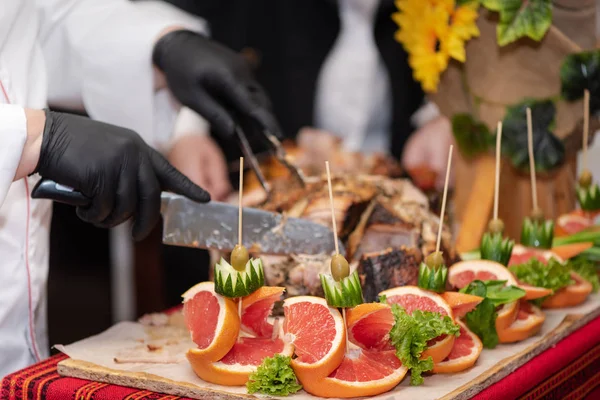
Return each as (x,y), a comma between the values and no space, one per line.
(114,167)
(214,81)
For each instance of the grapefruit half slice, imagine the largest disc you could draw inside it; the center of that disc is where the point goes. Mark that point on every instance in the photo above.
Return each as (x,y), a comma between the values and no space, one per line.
(412,298)
(571,295)
(461,303)
(521,254)
(573,222)
(212,320)
(464,354)
(528,323)
(257,307)
(318,335)
(361,373)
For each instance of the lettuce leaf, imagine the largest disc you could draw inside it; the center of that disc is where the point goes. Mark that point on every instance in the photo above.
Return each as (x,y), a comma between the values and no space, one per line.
(410,335)
(553,276)
(274,377)
(587,270)
(482,320)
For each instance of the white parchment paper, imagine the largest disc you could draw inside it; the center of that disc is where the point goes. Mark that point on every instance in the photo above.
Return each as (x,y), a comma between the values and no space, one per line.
(103,348)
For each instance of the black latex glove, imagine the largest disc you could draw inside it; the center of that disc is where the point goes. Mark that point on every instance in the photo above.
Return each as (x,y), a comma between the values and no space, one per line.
(214,81)
(114,167)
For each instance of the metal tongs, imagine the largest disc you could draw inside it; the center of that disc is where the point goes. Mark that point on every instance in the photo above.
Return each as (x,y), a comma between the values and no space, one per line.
(279,153)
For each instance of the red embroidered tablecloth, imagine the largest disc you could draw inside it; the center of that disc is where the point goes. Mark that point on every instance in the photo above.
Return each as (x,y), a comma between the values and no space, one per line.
(570,370)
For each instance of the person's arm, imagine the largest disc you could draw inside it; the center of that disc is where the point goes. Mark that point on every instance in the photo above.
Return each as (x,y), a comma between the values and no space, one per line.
(99,57)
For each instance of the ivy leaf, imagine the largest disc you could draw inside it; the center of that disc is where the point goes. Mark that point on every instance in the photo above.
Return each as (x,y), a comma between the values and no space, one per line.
(548,150)
(472,137)
(520,18)
(581,71)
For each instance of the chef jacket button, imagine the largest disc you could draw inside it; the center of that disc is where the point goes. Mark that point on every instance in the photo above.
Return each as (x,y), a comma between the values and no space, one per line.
(252,56)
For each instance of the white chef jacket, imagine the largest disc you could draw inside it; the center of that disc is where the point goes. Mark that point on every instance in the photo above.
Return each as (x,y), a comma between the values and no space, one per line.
(105,47)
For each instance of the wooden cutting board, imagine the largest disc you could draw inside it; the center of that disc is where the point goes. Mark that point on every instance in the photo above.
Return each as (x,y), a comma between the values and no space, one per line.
(145,381)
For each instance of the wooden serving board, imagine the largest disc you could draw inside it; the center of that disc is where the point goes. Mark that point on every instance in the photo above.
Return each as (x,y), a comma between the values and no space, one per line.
(495,370)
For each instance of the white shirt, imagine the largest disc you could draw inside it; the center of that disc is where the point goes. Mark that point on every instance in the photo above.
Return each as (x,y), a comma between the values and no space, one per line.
(101,48)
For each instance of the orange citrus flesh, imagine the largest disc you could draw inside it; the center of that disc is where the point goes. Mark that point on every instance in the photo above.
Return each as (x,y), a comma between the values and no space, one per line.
(361,373)
(318,334)
(464,354)
(528,323)
(413,298)
(212,320)
(571,295)
(257,307)
(507,315)
(461,303)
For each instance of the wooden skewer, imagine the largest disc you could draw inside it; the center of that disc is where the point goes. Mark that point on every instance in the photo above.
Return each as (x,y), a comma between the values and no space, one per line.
(439,238)
(498,153)
(241,191)
(337,248)
(531,159)
(586,125)
(335,238)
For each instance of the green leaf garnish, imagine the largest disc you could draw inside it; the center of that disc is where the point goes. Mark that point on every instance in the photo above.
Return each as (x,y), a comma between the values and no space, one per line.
(587,270)
(589,198)
(482,320)
(578,72)
(521,18)
(410,335)
(473,138)
(537,234)
(554,275)
(383,299)
(345,293)
(433,278)
(232,283)
(496,248)
(274,377)
(548,150)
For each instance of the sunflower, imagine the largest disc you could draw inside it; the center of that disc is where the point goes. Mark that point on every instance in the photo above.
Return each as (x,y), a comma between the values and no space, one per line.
(432,32)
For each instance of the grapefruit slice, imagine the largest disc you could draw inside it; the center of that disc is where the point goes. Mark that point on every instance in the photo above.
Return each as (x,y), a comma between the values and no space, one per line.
(573,222)
(369,326)
(361,373)
(318,335)
(212,320)
(461,303)
(257,307)
(571,295)
(528,323)
(413,298)
(464,354)
(240,362)
(521,254)
(465,272)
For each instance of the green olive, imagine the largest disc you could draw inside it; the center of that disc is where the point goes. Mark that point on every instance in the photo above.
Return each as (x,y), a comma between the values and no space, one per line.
(537,214)
(339,267)
(239,257)
(585,179)
(496,226)
(435,259)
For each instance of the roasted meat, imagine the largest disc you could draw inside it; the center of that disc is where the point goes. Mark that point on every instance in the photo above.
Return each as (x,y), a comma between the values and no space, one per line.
(387,269)
(386,225)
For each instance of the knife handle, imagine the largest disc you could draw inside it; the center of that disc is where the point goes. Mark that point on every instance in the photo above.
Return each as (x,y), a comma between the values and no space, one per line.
(48,189)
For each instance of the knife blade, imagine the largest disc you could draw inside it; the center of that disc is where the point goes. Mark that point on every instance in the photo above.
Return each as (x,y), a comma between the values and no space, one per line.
(213,225)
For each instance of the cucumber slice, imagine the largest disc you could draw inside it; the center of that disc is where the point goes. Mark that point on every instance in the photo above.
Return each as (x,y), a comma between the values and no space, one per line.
(496,248)
(537,234)
(433,278)
(342,294)
(232,283)
(589,198)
